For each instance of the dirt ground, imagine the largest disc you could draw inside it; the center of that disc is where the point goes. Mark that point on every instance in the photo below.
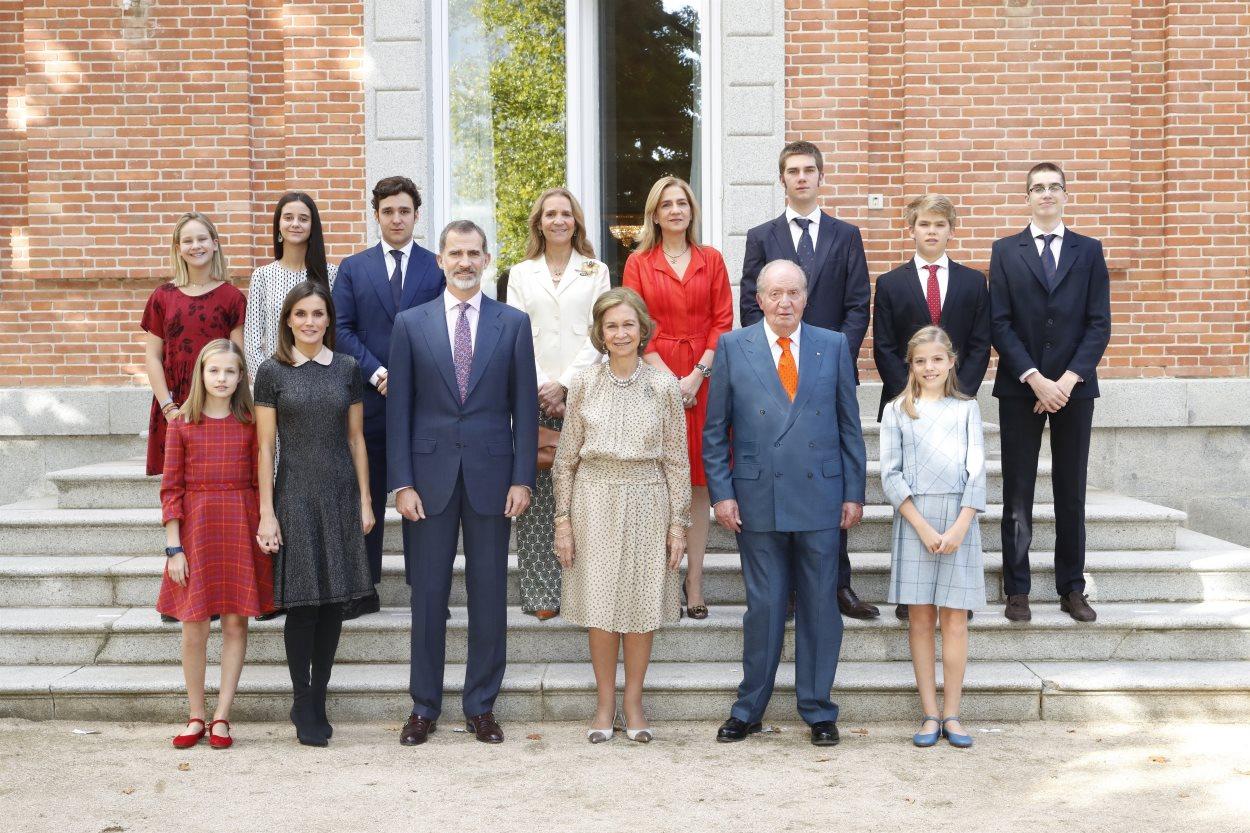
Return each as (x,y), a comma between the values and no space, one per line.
(1019,777)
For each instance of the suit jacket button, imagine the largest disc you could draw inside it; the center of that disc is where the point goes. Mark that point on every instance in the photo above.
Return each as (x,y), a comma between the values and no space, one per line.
(809,475)
(1046,345)
(776,445)
(811,445)
(761,412)
(817,412)
(1050,322)
(778,474)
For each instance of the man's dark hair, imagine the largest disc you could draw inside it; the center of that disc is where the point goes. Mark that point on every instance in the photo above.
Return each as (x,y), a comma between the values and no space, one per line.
(800,148)
(393,185)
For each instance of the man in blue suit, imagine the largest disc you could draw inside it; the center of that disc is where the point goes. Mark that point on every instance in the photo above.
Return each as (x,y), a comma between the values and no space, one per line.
(373,287)
(462,454)
(1050,309)
(785,462)
(831,254)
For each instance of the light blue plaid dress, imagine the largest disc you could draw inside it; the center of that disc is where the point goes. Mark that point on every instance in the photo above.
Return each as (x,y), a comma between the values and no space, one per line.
(937,460)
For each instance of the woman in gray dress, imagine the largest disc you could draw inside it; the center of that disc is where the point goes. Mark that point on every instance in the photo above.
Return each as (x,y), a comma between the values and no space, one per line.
(556,286)
(315,515)
(933,473)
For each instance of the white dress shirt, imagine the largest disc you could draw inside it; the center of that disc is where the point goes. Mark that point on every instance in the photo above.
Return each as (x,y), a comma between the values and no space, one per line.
(1055,246)
(404,260)
(452,305)
(776,348)
(943,276)
(796,232)
(560,314)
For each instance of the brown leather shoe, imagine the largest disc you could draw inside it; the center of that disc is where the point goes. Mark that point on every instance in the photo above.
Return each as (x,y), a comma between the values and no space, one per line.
(1018,608)
(851,605)
(484,728)
(417,730)
(1076,605)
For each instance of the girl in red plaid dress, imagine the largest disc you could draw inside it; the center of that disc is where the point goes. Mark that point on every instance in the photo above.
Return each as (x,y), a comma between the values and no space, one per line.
(209,503)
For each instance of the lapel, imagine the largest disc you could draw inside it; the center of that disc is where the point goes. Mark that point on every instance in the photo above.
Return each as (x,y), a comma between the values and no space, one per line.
(414,277)
(811,355)
(760,357)
(1028,253)
(954,289)
(824,245)
(1067,256)
(488,329)
(434,328)
(570,273)
(380,278)
(781,230)
(913,286)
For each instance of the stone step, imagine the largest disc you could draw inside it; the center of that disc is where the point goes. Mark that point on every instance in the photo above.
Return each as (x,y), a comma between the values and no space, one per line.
(865,692)
(38,527)
(1189,575)
(123,484)
(1124,631)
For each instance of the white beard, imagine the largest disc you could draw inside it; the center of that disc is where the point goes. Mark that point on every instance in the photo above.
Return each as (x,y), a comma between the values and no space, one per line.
(465,284)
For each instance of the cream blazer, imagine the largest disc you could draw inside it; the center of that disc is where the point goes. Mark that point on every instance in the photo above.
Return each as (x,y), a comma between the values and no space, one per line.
(560,316)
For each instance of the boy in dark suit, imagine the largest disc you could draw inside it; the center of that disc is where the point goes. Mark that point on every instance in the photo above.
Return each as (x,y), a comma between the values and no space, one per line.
(831,254)
(1050,302)
(930,289)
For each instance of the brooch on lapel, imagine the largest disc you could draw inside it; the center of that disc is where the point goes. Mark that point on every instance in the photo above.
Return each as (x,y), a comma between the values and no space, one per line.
(588,267)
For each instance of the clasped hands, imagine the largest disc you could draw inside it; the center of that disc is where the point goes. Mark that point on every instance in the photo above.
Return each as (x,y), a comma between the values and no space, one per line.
(943,543)
(728,516)
(1051,395)
(551,397)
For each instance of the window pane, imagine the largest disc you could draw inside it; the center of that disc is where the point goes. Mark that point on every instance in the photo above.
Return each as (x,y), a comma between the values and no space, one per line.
(649,110)
(507,113)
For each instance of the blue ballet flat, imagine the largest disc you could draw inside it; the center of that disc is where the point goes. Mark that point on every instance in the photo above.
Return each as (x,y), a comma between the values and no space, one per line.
(956,740)
(926,739)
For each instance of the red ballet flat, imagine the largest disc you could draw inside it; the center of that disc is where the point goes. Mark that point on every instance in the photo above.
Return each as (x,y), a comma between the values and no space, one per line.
(188,739)
(217,741)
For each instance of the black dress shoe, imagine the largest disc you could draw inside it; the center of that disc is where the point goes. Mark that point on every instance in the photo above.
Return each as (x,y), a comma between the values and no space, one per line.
(361,606)
(825,733)
(1076,605)
(852,606)
(734,729)
(485,728)
(900,612)
(1017,609)
(417,730)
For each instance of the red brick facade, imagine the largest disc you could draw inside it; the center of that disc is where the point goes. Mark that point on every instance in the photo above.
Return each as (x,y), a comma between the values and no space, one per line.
(114,124)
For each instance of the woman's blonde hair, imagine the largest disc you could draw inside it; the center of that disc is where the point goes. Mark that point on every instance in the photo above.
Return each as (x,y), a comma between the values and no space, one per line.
(240,401)
(181,276)
(536,244)
(927,335)
(610,300)
(650,236)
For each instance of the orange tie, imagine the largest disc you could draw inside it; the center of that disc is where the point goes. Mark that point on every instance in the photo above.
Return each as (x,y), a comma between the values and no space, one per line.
(786,369)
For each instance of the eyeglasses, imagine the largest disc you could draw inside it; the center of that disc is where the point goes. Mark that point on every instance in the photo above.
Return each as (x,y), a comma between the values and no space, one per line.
(1053,188)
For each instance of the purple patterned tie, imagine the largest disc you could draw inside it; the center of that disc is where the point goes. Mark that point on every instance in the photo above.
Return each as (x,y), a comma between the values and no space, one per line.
(462,356)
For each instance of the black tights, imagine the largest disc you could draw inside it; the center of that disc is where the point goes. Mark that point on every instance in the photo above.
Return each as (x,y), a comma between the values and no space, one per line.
(311,635)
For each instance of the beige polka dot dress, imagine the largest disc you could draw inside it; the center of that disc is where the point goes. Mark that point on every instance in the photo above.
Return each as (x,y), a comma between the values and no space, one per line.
(622,475)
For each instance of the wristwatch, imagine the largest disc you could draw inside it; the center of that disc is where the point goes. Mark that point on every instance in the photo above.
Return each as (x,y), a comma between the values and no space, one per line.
(704,369)
(170,552)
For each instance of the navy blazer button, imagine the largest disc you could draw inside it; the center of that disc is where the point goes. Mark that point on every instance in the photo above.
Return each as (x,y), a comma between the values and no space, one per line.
(778,474)
(811,445)
(809,475)
(817,412)
(776,445)
(1050,322)
(761,412)
(1046,345)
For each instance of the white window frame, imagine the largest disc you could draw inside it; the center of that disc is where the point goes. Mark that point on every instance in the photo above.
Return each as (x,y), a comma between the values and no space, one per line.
(582,115)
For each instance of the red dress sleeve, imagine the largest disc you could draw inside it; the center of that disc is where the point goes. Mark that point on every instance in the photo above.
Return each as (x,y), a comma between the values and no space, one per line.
(721,297)
(173,478)
(153,320)
(236,309)
(632,278)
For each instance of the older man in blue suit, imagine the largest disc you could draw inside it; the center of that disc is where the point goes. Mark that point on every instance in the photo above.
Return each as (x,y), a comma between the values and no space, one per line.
(462,454)
(785,462)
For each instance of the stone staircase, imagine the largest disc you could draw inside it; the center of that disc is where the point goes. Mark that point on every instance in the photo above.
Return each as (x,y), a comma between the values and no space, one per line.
(79,638)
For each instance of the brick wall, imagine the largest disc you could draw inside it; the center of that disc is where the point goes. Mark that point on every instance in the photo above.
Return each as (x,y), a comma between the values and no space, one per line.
(217,105)
(1145,103)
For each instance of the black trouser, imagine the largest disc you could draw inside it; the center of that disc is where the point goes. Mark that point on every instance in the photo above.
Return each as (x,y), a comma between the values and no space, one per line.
(844,560)
(375,448)
(1021,437)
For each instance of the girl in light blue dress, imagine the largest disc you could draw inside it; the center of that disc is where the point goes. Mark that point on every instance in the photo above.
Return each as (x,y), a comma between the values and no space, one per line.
(933,473)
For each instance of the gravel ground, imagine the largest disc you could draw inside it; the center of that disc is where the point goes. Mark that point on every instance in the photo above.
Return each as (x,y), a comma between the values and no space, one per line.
(1020,776)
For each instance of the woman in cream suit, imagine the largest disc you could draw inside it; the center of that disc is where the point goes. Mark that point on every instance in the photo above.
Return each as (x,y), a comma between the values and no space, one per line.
(556,286)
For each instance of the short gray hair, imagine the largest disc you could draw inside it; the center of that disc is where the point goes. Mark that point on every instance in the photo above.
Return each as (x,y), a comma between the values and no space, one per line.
(461,227)
(774,265)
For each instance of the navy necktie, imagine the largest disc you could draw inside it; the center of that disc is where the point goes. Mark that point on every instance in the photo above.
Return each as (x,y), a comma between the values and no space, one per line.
(1048,259)
(397,277)
(806,251)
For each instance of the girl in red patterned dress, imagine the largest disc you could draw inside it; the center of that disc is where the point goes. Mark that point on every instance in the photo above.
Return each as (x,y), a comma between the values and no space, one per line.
(211,511)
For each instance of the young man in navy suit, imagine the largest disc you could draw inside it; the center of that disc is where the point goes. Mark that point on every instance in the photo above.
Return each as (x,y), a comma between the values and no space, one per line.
(1050,301)
(831,254)
(930,289)
(372,288)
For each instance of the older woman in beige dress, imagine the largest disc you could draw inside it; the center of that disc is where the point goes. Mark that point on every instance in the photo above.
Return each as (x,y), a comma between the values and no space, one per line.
(622,490)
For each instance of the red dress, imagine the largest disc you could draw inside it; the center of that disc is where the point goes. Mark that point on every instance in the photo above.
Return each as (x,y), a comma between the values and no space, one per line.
(690,315)
(209,485)
(185,324)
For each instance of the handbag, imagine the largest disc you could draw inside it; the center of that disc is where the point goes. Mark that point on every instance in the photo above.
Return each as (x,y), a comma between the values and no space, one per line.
(548,438)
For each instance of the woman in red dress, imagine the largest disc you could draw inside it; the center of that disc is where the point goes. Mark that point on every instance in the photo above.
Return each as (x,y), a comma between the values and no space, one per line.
(197,305)
(686,289)
(210,506)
